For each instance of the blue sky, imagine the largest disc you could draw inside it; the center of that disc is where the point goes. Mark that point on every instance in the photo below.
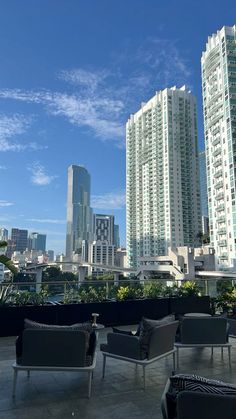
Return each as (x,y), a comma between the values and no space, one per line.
(71,73)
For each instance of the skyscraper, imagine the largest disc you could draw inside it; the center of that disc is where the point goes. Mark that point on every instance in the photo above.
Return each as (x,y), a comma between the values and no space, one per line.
(219,105)
(79,213)
(20,239)
(162,176)
(103,228)
(37,241)
(3,234)
(116,235)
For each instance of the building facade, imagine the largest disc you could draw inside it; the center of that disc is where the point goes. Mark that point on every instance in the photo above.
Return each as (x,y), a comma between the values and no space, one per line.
(103,228)
(203,184)
(3,234)
(162,175)
(37,241)
(79,213)
(117,235)
(219,106)
(19,239)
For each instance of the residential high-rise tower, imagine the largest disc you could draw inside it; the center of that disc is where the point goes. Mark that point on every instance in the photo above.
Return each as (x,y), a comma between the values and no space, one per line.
(162,176)
(103,228)
(79,213)
(219,106)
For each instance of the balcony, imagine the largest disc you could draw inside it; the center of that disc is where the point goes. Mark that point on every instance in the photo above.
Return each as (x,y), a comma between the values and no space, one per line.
(216,141)
(217,163)
(222,243)
(219,185)
(219,196)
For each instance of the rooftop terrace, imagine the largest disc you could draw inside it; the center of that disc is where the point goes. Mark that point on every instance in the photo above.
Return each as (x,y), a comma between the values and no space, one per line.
(120,395)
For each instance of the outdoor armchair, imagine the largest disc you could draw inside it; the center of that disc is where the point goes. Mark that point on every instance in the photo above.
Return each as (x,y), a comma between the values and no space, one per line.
(128,348)
(60,349)
(198,332)
(207,399)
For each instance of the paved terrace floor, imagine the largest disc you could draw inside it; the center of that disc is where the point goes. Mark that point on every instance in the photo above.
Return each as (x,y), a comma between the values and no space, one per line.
(120,395)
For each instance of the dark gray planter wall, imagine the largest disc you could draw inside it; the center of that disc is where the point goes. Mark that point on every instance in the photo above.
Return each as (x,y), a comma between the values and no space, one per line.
(112,313)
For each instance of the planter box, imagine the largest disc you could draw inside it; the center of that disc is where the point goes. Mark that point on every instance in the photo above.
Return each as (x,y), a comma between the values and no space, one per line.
(12,318)
(131,312)
(111,313)
(182,305)
(82,312)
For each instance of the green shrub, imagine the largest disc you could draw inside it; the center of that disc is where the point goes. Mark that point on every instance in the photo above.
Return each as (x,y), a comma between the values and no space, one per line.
(153,290)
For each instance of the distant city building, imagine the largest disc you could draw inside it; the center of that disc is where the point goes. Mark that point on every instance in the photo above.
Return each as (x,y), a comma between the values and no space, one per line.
(101,253)
(116,235)
(37,241)
(121,257)
(20,239)
(205,225)
(179,263)
(219,105)
(1,272)
(79,213)
(50,254)
(3,234)
(2,251)
(162,175)
(103,228)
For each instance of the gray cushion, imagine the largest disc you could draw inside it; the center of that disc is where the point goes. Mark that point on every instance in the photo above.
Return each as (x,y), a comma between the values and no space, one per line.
(30,324)
(146,329)
(86,327)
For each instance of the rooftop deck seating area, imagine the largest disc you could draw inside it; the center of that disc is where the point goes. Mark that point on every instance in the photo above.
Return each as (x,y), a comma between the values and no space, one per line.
(120,395)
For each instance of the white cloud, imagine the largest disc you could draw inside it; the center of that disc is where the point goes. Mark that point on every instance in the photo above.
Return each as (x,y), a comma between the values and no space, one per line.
(46,220)
(11,126)
(5,203)
(81,77)
(109,201)
(102,99)
(39,176)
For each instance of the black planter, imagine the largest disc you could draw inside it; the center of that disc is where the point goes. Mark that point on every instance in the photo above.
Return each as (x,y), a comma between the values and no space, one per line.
(182,305)
(12,318)
(132,311)
(111,313)
(82,312)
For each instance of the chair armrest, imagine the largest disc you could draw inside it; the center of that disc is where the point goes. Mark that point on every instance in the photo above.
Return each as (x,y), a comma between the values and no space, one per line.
(124,345)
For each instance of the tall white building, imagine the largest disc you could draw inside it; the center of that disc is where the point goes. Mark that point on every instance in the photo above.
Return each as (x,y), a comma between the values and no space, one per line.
(162,178)
(219,105)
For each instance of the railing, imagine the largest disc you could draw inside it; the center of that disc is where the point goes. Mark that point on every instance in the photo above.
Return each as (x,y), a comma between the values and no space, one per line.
(62,291)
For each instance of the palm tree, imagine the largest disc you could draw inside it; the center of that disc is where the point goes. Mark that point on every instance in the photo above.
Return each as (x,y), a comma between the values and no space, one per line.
(5,260)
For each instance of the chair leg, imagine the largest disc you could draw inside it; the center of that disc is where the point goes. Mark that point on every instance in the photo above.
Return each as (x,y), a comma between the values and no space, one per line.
(177,353)
(28,374)
(89,383)
(104,366)
(212,351)
(174,363)
(222,352)
(229,353)
(14,382)
(144,377)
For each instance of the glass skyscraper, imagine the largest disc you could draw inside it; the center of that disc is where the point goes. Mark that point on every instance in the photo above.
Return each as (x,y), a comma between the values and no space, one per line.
(219,105)
(79,213)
